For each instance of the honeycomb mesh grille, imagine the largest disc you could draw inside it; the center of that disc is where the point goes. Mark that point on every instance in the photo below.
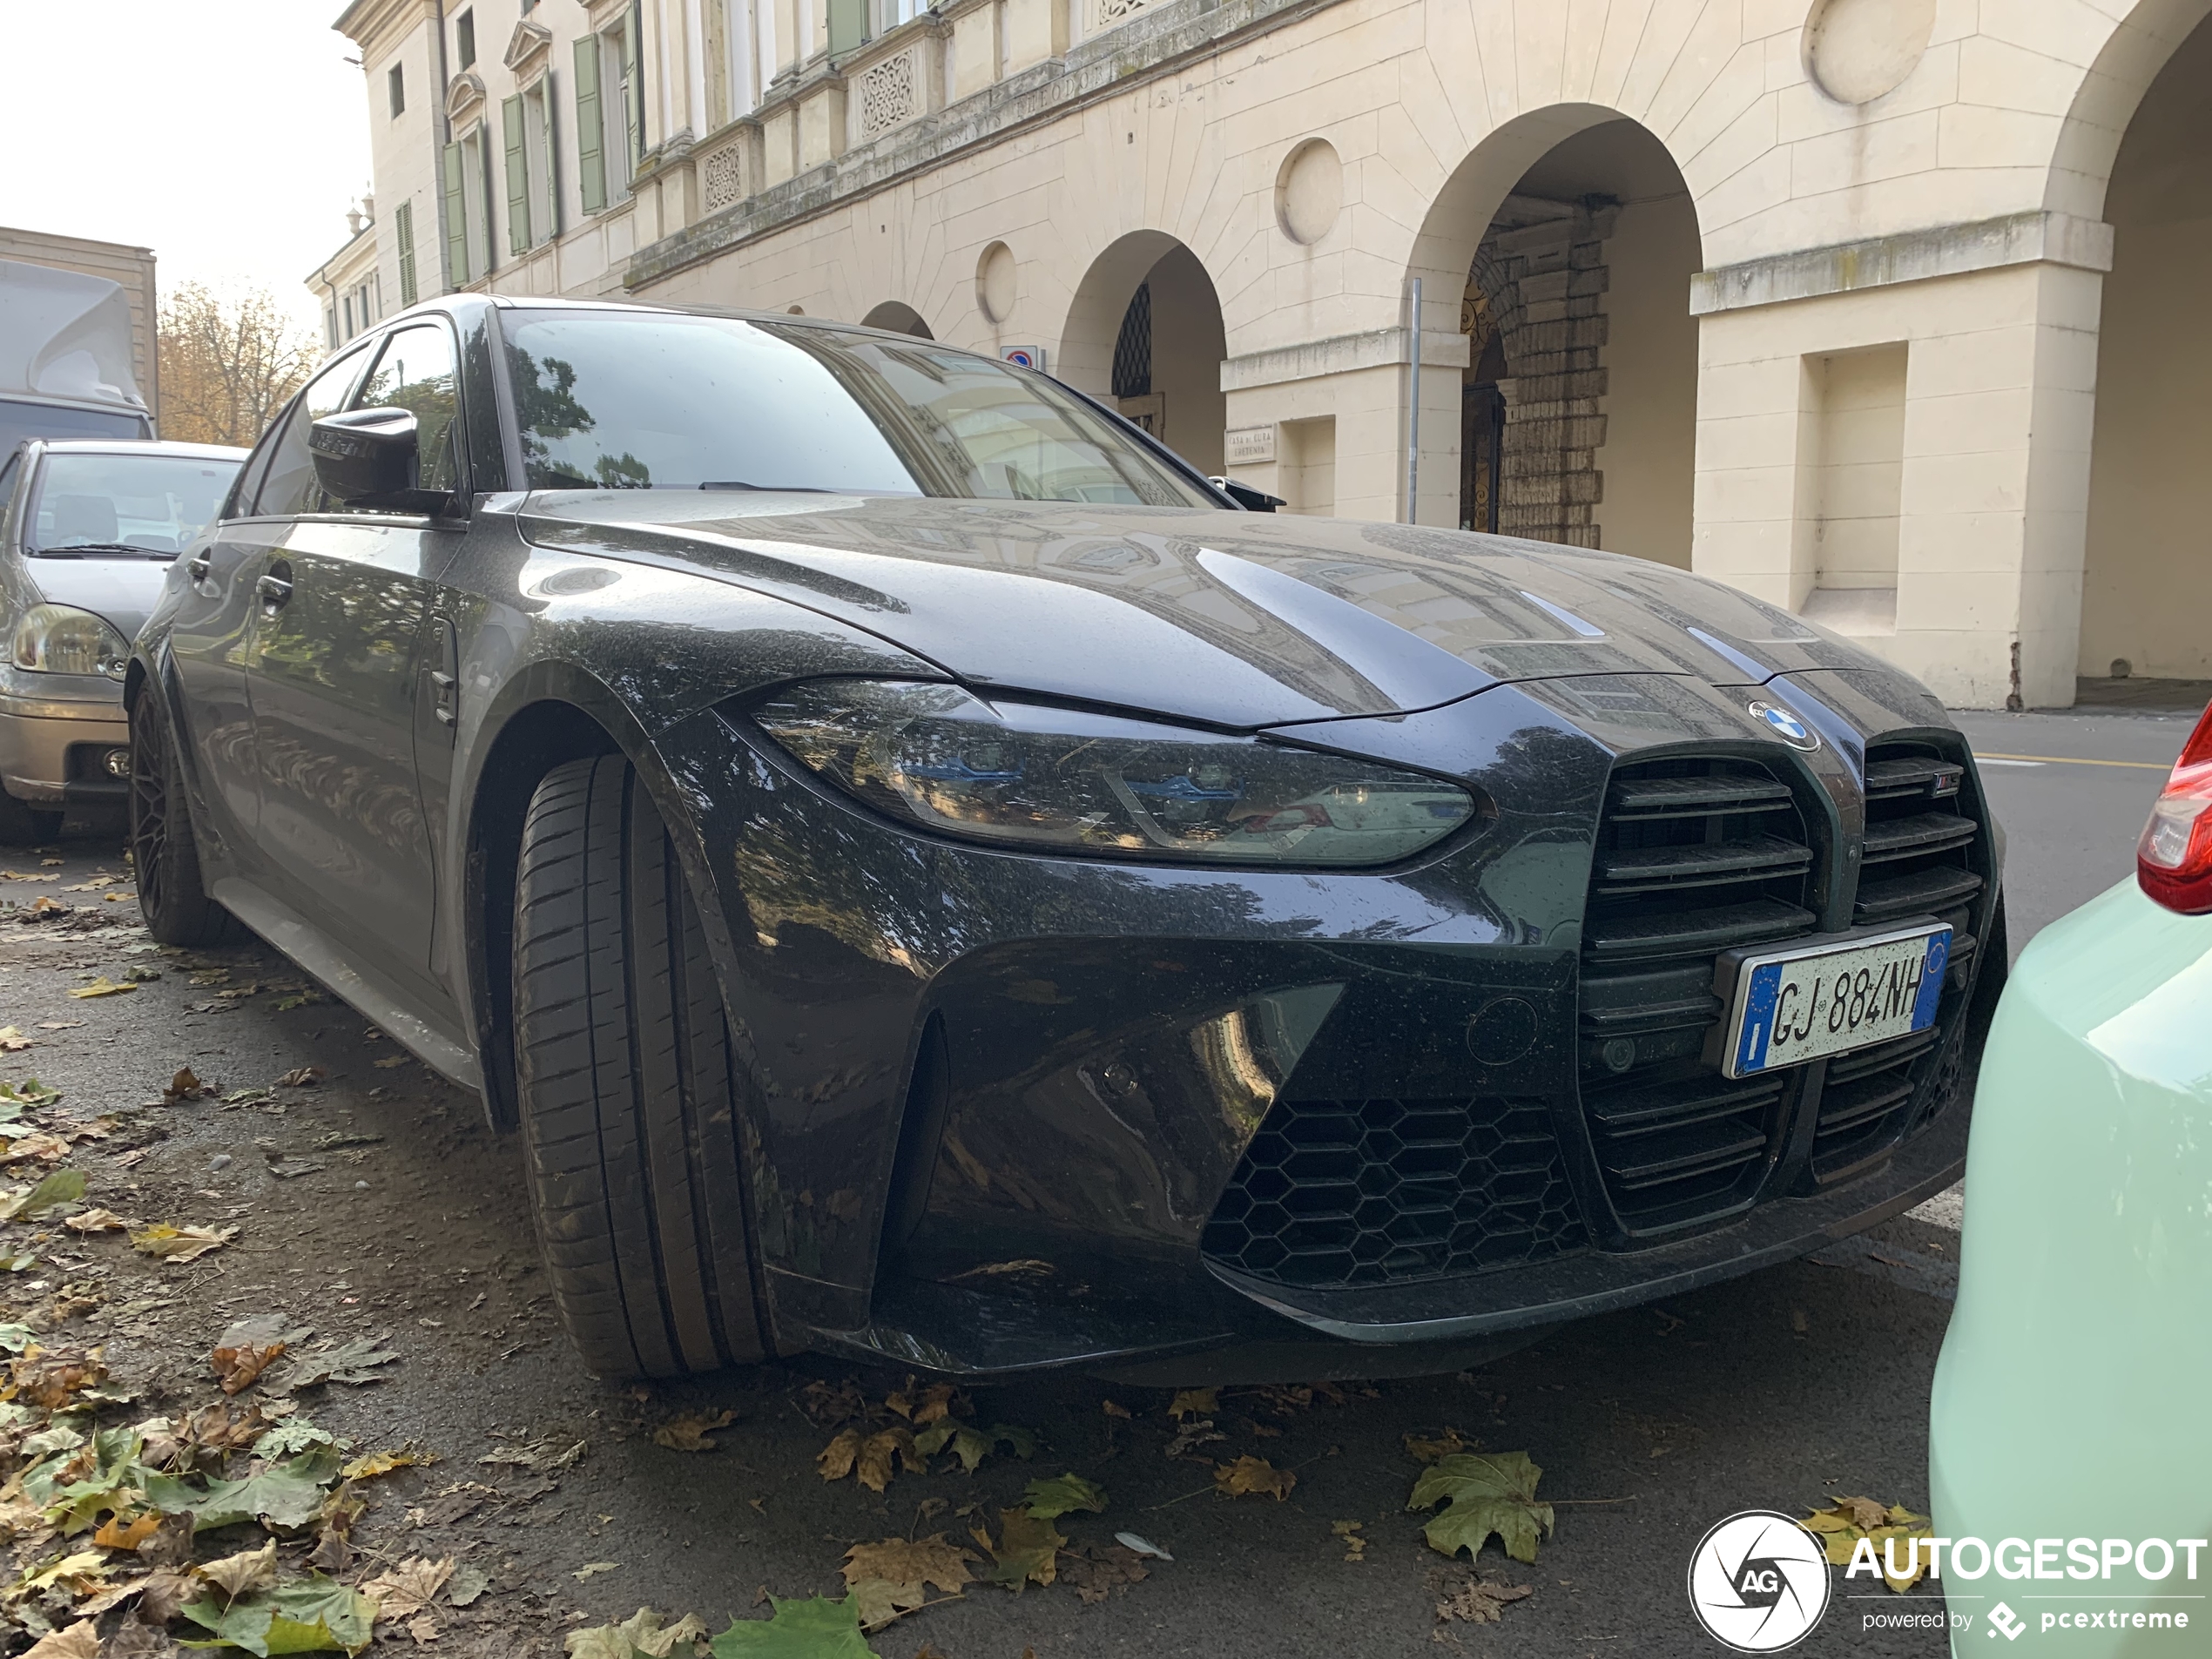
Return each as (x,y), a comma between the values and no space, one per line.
(1351,1193)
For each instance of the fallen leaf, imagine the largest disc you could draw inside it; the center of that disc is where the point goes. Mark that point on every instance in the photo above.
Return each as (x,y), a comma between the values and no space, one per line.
(185,1086)
(12,1040)
(387,1064)
(689,1432)
(47,1377)
(1475,1599)
(30,1092)
(1096,1572)
(1450,1443)
(1028,1550)
(592,1569)
(890,1578)
(1194,1402)
(356,1362)
(244,1572)
(467,1586)
(80,1640)
(62,1186)
(836,1460)
(1250,1476)
(970,1445)
(39,1144)
(180,1243)
(932,1403)
(403,1591)
(117,1535)
(288,1494)
(238,1366)
(1112,1410)
(815,1629)
(547,1454)
(103,987)
(314,1615)
(1485,1493)
(376,1463)
(1840,1528)
(1049,1499)
(302,1077)
(95,1221)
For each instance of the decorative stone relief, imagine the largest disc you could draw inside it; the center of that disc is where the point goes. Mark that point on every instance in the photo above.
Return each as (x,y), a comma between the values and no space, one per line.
(722,177)
(890,94)
(1857,50)
(1104,14)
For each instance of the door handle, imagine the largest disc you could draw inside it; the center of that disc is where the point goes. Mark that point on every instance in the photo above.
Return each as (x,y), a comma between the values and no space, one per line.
(274,592)
(198,566)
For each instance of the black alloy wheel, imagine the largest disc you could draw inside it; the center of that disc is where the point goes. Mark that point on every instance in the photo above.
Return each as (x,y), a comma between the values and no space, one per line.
(628,1086)
(164,855)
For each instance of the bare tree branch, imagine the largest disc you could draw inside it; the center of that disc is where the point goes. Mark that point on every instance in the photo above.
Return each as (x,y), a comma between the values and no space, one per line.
(228,363)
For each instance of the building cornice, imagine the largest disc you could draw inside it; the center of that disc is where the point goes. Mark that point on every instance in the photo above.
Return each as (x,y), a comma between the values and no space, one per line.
(2039,237)
(377,26)
(1158,42)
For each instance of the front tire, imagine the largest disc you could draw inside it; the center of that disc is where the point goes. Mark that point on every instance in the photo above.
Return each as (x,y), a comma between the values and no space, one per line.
(164,855)
(627,1086)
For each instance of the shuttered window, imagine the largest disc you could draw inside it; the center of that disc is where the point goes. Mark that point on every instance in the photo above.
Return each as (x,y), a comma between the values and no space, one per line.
(590,129)
(456,222)
(403,231)
(517,175)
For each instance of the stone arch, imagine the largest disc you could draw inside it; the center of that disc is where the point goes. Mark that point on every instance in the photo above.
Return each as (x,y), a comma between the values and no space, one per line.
(2146,584)
(1146,314)
(899,317)
(2104,105)
(1573,236)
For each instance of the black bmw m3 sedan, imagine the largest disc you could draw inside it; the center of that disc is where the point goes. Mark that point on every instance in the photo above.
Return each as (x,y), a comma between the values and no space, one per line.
(931,878)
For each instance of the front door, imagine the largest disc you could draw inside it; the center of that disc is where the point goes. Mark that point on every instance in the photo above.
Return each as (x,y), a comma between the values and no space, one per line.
(338,646)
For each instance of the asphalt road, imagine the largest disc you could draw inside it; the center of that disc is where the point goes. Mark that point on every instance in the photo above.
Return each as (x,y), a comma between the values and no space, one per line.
(1779,1391)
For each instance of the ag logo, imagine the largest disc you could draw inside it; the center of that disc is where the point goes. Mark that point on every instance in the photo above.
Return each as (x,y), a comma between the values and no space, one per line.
(1784,725)
(1758,1582)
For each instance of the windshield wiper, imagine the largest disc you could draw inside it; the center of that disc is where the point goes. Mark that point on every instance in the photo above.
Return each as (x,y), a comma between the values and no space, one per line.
(78,549)
(771,489)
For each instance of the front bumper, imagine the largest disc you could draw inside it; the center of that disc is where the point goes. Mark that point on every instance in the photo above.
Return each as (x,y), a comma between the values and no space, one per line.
(1000,1099)
(2069,1398)
(52,742)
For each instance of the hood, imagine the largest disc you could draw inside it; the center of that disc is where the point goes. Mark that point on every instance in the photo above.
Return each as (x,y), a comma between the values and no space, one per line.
(121,592)
(1239,619)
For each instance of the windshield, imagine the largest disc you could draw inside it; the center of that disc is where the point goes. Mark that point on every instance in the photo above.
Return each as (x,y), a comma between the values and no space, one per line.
(609,400)
(146,503)
(19,420)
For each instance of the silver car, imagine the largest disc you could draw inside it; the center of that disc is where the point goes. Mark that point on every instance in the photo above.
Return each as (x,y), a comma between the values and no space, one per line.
(87,530)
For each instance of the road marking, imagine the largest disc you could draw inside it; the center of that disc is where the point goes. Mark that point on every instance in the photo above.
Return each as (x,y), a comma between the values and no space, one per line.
(2071,760)
(1992,760)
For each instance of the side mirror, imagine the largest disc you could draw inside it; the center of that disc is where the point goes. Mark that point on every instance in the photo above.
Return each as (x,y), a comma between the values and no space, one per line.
(1252,500)
(369,458)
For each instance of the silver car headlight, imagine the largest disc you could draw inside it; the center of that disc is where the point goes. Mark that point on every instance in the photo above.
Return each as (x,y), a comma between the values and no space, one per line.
(1054,779)
(61,640)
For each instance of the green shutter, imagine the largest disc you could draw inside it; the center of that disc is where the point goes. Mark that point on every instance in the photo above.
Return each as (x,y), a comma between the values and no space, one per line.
(550,162)
(403,229)
(633,74)
(848,25)
(518,177)
(457,224)
(590,129)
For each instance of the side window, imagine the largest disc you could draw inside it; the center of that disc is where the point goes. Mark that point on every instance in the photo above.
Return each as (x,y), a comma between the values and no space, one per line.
(414,372)
(290,486)
(239,502)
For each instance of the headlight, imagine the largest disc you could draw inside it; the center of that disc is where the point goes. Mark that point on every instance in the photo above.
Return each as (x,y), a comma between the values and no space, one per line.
(1053,779)
(61,640)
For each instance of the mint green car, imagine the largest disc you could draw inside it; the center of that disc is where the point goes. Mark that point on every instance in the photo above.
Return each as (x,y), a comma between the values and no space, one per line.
(2073,1403)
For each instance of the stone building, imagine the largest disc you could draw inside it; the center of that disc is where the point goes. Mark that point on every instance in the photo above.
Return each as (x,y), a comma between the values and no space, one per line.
(1876,308)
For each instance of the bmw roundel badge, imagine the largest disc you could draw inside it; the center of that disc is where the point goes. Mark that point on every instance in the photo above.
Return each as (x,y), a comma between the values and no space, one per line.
(1785,726)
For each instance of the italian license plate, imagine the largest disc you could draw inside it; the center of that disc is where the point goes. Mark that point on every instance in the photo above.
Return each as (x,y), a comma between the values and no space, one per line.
(1805,1002)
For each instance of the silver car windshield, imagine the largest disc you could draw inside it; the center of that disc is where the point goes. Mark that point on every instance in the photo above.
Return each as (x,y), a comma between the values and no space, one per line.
(609,400)
(147,505)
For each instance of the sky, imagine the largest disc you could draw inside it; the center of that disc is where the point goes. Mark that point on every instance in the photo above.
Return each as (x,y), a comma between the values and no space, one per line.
(229,136)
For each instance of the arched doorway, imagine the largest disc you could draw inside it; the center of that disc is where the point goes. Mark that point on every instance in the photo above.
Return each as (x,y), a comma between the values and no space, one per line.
(1145,334)
(1579,403)
(1563,247)
(899,317)
(2147,576)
